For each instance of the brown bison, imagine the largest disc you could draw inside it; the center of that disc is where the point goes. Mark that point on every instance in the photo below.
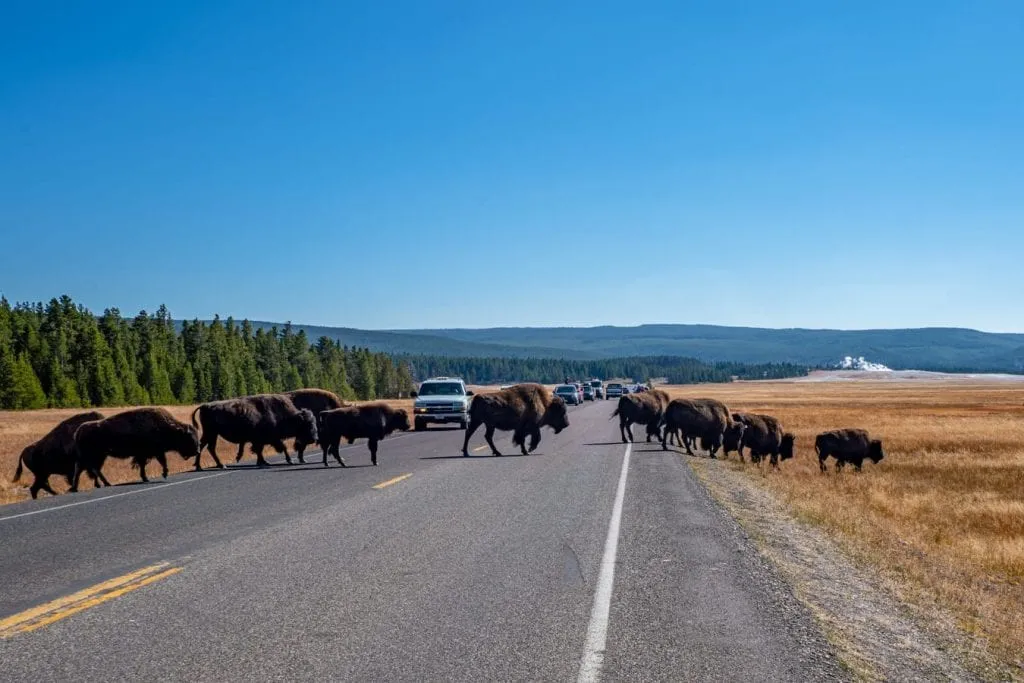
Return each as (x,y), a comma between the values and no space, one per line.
(139,435)
(764,437)
(372,421)
(732,440)
(522,409)
(316,401)
(262,420)
(847,446)
(644,408)
(54,454)
(699,418)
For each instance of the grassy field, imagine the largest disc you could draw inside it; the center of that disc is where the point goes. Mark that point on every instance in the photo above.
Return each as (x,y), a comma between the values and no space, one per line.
(942,514)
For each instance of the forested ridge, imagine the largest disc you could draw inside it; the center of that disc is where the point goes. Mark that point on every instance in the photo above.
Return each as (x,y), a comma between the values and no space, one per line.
(60,355)
(674,369)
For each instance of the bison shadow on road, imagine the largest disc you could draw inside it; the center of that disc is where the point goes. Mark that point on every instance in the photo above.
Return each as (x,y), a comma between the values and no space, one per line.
(481,456)
(604,443)
(318,467)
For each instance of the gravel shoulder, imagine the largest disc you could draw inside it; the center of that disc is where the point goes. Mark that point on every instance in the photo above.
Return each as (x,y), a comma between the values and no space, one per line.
(877,636)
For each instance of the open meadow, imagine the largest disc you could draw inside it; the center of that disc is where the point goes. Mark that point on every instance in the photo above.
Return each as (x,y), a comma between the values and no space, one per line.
(942,514)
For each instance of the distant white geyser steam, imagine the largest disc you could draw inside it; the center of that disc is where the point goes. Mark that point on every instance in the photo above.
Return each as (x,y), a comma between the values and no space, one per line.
(851,363)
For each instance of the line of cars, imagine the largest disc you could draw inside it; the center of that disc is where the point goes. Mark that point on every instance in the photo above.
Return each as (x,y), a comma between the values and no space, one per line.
(445,400)
(575,393)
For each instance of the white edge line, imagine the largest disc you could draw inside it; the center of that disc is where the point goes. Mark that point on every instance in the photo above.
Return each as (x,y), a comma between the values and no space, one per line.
(597,630)
(148,489)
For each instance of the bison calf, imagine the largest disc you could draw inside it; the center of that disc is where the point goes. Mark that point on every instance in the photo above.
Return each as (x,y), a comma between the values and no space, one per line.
(54,454)
(847,446)
(262,420)
(315,401)
(372,421)
(139,435)
(522,409)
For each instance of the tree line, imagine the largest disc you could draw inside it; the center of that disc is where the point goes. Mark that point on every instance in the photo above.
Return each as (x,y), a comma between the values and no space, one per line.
(59,355)
(674,369)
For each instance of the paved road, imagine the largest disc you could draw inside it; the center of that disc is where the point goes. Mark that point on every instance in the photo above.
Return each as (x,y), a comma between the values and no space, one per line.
(470,569)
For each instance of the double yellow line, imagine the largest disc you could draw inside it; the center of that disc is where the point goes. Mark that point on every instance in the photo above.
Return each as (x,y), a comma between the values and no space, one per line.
(61,608)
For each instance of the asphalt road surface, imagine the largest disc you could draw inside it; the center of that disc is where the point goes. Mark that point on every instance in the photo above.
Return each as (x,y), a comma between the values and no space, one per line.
(585,560)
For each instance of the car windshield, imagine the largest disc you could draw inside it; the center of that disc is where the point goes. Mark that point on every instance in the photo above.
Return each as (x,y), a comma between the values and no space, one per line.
(565,389)
(614,386)
(596,383)
(441,389)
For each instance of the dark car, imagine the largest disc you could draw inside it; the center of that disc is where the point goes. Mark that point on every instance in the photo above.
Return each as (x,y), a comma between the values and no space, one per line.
(568,393)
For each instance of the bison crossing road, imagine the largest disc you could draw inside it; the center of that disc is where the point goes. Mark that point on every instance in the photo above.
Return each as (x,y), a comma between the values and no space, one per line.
(589,558)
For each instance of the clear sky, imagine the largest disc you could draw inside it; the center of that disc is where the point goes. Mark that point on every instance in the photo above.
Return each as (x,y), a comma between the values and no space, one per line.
(419,164)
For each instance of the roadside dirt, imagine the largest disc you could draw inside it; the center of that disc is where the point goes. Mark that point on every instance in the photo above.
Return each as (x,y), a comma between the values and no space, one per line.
(877,636)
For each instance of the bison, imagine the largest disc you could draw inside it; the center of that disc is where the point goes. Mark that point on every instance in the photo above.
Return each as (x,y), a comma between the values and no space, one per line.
(522,409)
(316,401)
(262,420)
(847,446)
(700,418)
(372,421)
(764,437)
(645,408)
(54,454)
(139,435)
(732,439)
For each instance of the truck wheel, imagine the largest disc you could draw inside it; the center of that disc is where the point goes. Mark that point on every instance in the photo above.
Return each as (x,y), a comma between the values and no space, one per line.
(420,425)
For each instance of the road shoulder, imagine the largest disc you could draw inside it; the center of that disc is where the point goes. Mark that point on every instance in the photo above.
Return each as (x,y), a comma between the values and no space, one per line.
(876,635)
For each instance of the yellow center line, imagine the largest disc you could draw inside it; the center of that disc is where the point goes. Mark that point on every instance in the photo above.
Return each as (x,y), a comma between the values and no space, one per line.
(58,609)
(389,482)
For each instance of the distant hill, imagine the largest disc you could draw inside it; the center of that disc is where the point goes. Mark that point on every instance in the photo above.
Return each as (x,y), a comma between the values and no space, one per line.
(942,349)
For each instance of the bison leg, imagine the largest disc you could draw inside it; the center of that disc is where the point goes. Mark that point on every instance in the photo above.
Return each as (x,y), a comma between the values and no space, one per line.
(257,449)
(822,457)
(41,483)
(241,451)
(519,438)
(281,448)
(473,424)
(534,438)
(140,462)
(300,450)
(373,451)
(489,436)
(623,427)
(212,447)
(162,459)
(334,451)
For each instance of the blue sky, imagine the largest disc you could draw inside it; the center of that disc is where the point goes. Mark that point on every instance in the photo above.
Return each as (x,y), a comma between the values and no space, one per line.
(417,164)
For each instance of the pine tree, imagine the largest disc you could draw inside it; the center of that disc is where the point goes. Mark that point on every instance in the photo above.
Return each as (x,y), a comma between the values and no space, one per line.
(28,391)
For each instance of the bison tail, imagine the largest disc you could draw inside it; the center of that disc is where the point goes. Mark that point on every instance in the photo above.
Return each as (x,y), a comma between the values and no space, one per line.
(194,423)
(17,472)
(615,413)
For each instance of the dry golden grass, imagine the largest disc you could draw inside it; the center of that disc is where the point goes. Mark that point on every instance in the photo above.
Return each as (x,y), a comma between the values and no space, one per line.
(942,514)
(20,428)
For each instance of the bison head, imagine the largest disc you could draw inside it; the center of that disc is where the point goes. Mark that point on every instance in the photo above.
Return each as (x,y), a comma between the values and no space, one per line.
(557,415)
(398,421)
(188,446)
(875,451)
(786,447)
(654,428)
(306,427)
(733,436)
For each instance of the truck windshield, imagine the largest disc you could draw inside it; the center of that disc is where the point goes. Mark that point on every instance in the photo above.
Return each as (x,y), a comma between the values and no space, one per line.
(441,389)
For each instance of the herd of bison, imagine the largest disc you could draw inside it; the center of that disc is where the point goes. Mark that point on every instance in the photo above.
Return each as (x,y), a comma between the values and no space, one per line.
(82,443)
